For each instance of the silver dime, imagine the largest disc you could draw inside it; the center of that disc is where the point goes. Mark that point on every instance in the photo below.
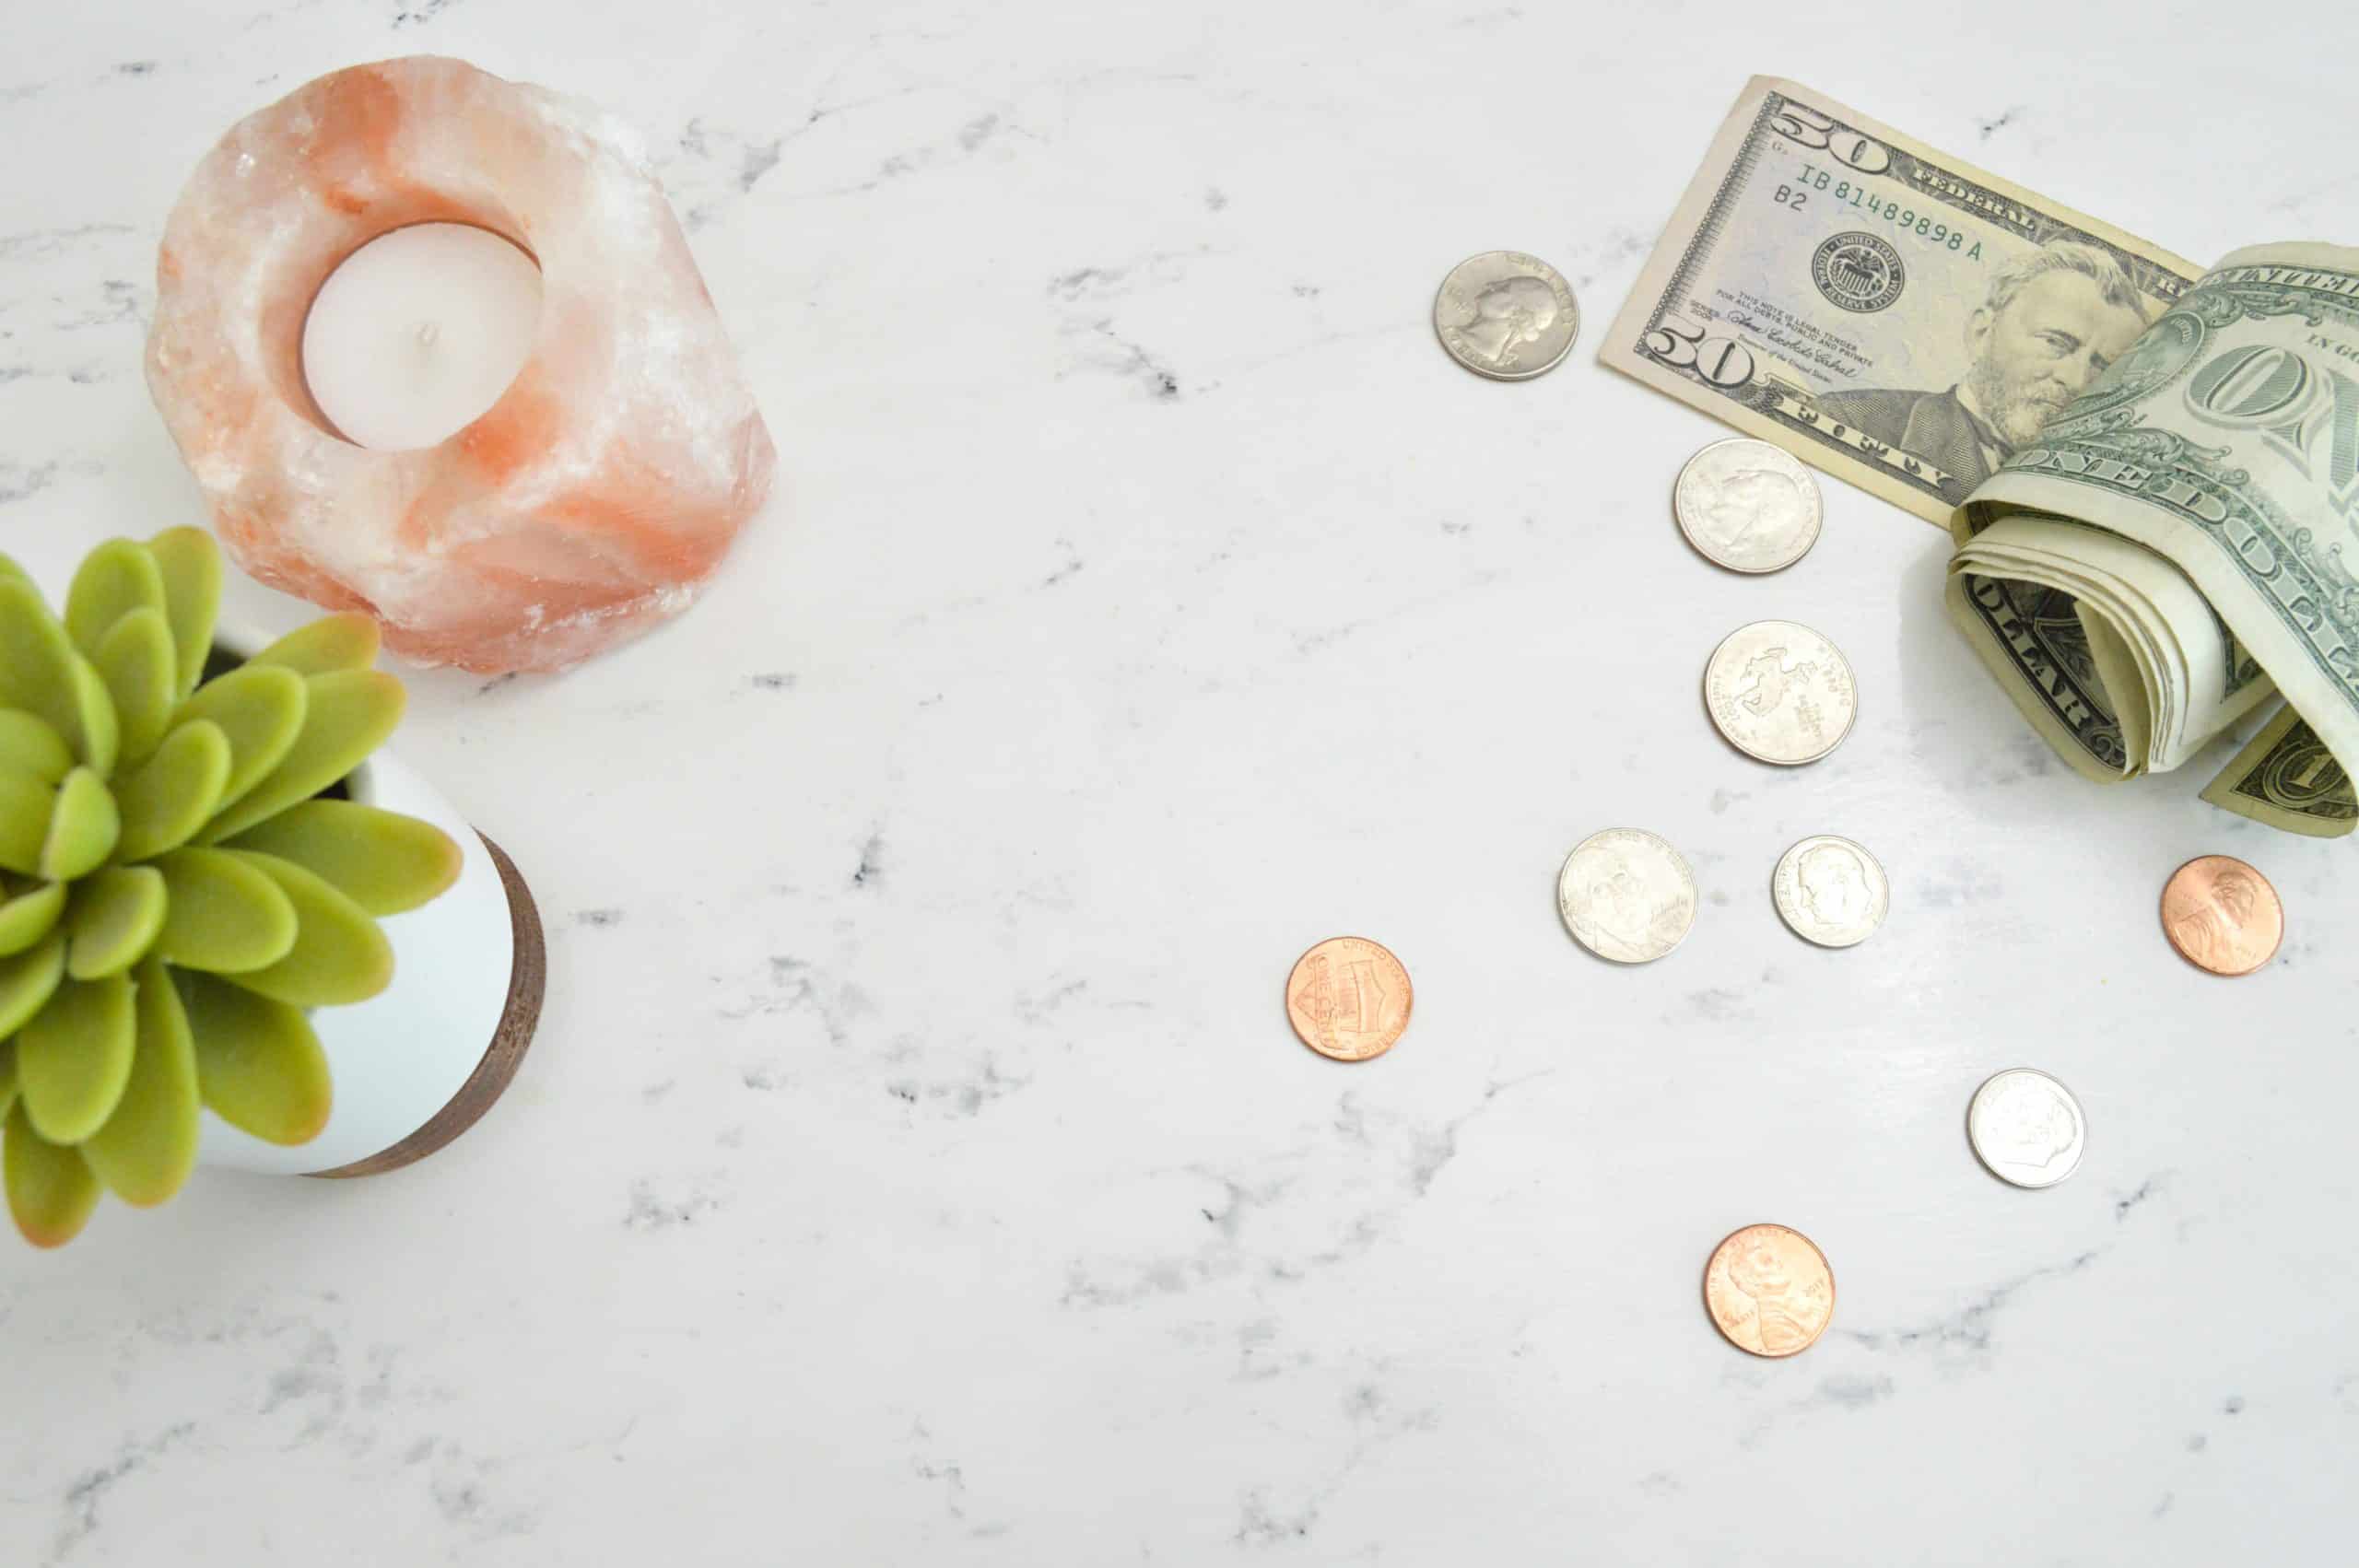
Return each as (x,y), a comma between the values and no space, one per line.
(1780,693)
(1506,315)
(1747,505)
(1627,896)
(2026,1128)
(1830,891)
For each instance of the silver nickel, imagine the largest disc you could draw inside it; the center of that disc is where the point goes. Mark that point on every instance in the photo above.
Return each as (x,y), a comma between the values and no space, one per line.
(1627,896)
(1747,506)
(2026,1128)
(1506,315)
(1830,891)
(1780,693)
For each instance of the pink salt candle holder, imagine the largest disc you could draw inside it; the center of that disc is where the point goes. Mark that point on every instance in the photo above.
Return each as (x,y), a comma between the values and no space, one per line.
(593,497)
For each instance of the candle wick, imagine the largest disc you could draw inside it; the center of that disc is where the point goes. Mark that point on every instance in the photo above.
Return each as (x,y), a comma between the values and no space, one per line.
(427,333)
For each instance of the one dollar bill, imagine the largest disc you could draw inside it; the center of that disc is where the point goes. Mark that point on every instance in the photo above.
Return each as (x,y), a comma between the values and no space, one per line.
(2286,777)
(1838,288)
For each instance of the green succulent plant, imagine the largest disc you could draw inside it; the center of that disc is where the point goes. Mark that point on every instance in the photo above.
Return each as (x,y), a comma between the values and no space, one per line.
(181,880)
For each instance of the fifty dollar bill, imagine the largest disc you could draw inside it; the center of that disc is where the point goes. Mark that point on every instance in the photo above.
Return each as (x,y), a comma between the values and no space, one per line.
(1826,285)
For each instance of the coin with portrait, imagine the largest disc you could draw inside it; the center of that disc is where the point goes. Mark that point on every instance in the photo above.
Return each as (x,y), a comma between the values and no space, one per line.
(2026,1128)
(1747,506)
(1830,891)
(1506,315)
(1626,894)
(1769,1291)
(1780,693)
(2223,916)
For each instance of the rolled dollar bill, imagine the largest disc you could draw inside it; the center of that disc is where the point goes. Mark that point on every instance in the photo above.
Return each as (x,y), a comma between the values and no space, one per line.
(2175,548)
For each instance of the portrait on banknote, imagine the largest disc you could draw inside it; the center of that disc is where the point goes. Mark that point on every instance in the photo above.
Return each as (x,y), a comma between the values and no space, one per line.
(2050,321)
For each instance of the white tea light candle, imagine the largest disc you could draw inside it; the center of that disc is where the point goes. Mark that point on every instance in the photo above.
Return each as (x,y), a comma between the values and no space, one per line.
(418,333)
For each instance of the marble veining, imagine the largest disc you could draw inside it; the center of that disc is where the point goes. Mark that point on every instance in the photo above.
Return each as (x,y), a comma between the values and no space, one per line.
(916,1165)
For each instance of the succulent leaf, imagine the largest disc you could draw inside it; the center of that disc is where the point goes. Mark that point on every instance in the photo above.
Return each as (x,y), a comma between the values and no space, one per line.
(174,792)
(29,745)
(226,915)
(261,709)
(348,714)
(135,663)
(97,736)
(51,1190)
(75,1057)
(148,1148)
(384,861)
(7,1077)
(117,915)
(190,564)
(339,954)
(343,641)
(37,666)
(35,652)
(10,571)
(258,1065)
(29,916)
(25,806)
(114,580)
(84,827)
(27,980)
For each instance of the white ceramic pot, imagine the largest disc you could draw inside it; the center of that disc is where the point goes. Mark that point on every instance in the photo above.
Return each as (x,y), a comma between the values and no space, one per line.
(415,1065)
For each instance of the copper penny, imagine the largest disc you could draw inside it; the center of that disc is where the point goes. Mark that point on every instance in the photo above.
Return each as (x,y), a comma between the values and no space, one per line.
(1348,998)
(2222,914)
(1769,1291)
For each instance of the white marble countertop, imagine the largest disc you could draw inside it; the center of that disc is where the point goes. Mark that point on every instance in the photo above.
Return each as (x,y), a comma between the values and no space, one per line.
(915,1165)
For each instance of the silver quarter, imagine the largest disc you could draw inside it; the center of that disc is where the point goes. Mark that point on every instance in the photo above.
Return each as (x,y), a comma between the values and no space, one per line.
(1627,896)
(1506,315)
(1747,506)
(1830,891)
(2026,1128)
(1780,693)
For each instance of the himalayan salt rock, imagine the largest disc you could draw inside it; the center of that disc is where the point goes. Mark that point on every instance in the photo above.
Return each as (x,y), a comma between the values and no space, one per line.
(586,505)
